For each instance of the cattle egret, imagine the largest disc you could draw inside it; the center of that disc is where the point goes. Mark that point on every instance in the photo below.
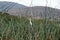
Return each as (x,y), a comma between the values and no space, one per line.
(30,21)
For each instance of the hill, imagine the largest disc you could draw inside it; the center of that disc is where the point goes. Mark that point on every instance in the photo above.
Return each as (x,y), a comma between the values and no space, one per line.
(37,11)
(4,5)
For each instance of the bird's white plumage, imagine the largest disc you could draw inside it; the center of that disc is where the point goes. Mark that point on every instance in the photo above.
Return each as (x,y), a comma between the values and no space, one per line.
(30,21)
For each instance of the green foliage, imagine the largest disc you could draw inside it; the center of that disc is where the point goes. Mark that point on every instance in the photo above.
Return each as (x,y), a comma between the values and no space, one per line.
(15,28)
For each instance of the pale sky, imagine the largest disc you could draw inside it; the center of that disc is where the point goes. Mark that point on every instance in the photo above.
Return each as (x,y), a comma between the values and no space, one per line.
(51,3)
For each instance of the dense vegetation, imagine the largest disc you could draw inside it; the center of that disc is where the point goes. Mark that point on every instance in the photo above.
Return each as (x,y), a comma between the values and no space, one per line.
(19,28)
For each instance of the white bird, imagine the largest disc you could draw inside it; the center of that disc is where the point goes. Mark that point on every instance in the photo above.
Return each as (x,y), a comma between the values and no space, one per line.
(30,21)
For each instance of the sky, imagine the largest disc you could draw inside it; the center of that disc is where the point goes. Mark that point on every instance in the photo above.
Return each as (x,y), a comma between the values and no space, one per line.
(50,3)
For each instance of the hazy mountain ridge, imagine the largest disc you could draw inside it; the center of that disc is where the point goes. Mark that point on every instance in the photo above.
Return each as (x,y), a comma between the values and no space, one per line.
(11,5)
(37,11)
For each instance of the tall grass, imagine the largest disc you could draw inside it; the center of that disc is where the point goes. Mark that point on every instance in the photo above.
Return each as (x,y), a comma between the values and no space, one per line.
(15,28)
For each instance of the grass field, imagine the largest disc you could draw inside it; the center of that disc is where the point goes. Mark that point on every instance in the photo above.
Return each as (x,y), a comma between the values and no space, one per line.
(19,28)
